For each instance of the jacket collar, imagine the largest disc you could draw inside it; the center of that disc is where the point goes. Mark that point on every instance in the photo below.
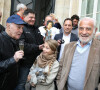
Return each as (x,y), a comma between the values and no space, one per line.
(7,36)
(10,38)
(90,61)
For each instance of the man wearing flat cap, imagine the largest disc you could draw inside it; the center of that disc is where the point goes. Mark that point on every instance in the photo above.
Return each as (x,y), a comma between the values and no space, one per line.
(10,53)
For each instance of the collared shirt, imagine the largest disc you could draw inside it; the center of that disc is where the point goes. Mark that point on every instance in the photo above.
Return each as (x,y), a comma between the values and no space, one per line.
(77,72)
(81,49)
(66,41)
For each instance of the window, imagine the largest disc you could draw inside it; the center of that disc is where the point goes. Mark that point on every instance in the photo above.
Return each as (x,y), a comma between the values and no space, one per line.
(98,15)
(91,8)
(41,7)
(87,8)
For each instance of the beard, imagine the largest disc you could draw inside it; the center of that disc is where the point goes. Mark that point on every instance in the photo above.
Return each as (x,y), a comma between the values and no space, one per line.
(86,37)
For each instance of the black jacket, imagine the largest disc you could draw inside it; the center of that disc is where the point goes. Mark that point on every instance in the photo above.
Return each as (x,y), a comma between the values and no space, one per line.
(60,36)
(8,66)
(2,28)
(32,39)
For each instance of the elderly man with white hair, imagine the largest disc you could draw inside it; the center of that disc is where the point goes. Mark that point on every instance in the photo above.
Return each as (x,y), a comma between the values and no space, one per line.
(80,62)
(10,54)
(20,9)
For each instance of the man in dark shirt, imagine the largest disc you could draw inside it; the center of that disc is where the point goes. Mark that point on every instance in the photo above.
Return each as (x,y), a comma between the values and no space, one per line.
(9,54)
(65,37)
(33,46)
(75,20)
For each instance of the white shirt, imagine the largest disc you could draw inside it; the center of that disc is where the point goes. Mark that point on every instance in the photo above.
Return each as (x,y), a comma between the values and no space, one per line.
(66,41)
(54,31)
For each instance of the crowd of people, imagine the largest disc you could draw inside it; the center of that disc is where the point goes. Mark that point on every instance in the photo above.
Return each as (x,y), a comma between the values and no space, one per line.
(50,57)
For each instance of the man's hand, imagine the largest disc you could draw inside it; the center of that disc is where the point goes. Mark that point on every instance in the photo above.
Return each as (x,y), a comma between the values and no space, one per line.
(28,77)
(41,47)
(59,42)
(18,55)
(32,84)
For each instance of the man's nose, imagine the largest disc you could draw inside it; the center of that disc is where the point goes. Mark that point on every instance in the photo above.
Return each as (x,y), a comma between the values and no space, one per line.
(67,26)
(84,31)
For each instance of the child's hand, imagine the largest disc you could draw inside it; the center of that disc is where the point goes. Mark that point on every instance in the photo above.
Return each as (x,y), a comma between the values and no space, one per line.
(29,78)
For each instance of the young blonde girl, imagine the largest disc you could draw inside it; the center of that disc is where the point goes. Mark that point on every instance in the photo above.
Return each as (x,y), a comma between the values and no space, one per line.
(44,70)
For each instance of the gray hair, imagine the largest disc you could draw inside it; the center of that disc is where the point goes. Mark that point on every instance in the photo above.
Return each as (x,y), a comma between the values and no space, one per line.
(89,18)
(19,6)
(94,30)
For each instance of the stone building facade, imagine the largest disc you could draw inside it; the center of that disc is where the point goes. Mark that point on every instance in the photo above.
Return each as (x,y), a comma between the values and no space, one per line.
(63,9)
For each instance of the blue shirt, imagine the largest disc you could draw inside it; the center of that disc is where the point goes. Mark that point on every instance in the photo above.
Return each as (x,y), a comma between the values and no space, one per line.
(81,49)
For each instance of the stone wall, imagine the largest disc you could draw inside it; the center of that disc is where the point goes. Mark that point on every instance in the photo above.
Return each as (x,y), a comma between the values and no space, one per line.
(74,7)
(65,9)
(5,6)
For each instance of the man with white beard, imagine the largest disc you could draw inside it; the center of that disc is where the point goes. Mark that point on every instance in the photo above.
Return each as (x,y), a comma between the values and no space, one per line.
(80,63)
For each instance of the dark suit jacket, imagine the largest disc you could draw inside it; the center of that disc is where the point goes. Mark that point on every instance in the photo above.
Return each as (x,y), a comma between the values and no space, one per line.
(60,36)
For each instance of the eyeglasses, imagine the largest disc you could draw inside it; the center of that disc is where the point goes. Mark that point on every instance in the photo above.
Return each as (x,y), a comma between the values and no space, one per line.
(86,28)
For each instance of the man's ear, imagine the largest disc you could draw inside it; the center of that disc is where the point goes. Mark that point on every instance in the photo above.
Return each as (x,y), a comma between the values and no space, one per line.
(8,26)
